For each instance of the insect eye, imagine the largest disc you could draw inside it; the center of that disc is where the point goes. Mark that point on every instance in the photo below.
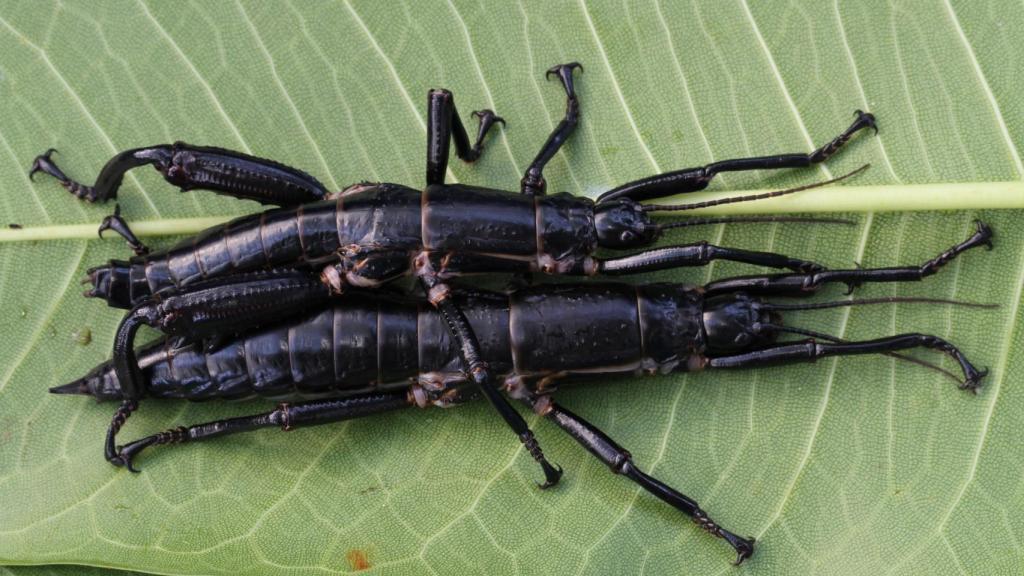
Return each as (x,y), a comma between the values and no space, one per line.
(627,236)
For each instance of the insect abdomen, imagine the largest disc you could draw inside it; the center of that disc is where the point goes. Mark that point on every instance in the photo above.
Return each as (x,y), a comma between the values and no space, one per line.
(280,237)
(365,344)
(357,346)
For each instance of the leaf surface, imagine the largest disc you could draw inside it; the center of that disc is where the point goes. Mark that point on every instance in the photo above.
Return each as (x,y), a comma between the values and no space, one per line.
(861,465)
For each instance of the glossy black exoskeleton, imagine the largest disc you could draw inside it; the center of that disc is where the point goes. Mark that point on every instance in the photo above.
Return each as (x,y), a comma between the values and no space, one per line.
(370,234)
(366,354)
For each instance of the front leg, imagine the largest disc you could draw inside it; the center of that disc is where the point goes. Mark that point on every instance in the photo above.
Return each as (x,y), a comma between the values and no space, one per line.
(807,283)
(811,350)
(440,296)
(192,167)
(695,179)
(699,254)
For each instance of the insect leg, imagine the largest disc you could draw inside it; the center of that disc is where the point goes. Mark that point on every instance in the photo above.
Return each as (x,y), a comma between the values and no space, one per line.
(533,181)
(116,223)
(808,283)
(811,350)
(376,268)
(286,416)
(694,179)
(126,366)
(196,167)
(440,297)
(365,268)
(209,309)
(621,462)
(698,254)
(444,125)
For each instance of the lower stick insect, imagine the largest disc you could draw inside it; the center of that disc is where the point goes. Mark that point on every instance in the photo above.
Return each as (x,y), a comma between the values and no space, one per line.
(386,354)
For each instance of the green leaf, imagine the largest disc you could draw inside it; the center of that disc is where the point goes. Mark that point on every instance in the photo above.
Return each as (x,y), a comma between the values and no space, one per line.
(59,570)
(859,465)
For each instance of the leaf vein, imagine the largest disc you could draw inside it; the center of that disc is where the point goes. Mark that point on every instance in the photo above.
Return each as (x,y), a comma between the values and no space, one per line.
(615,84)
(1001,364)
(47,315)
(686,85)
(860,86)
(898,53)
(284,91)
(78,101)
(195,71)
(782,83)
(819,417)
(394,76)
(996,111)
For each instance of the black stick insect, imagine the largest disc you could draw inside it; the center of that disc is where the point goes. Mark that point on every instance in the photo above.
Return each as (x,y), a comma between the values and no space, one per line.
(373,233)
(386,354)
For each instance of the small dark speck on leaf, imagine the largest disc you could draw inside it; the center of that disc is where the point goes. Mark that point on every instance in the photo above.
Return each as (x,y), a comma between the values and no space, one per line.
(82,337)
(357,559)
(369,489)
(15,226)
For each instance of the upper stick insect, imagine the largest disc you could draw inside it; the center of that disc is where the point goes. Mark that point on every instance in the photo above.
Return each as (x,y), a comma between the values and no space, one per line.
(373,233)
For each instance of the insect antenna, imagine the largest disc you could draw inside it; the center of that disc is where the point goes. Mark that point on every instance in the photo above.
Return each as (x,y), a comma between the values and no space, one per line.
(747,219)
(750,197)
(830,338)
(868,301)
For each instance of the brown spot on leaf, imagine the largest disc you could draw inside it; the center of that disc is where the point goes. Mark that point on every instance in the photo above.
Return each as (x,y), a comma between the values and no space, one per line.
(357,559)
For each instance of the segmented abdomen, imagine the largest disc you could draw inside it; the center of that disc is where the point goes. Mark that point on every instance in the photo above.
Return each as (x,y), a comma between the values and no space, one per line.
(358,346)
(365,344)
(385,215)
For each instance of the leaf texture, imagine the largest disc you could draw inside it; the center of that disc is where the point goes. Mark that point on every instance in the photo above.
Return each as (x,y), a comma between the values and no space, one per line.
(859,465)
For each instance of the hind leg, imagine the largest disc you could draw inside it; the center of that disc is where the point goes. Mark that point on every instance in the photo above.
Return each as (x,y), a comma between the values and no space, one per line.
(196,168)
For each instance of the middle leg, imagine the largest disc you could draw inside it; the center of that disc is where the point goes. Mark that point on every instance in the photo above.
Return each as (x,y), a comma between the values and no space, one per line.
(444,126)
(533,182)
(441,297)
